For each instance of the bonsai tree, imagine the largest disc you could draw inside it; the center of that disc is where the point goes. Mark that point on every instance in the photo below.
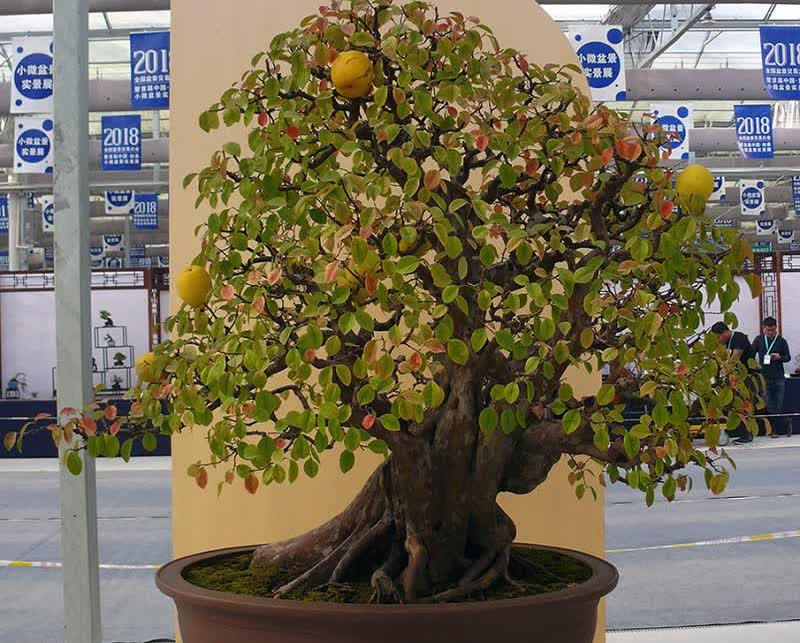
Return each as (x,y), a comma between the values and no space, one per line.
(412,266)
(106,316)
(119,359)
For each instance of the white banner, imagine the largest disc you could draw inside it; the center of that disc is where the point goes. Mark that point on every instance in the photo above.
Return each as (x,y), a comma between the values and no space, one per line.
(48,213)
(719,189)
(785,236)
(751,196)
(113,243)
(32,86)
(33,145)
(765,226)
(676,121)
(601,52)
(120,201)
(96,256)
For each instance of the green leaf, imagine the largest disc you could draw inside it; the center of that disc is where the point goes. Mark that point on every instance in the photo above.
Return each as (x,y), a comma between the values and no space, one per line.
(407,264)
(74,463)
(660,415)
(631,444)
(605,395)
(488,419)
(571,421)
(457,351)
(508,421)
(478,339)
(311,467)
(449,294)
(507,176)
(149,442)
(433,395)
(546,328)
(125,449)
(453,247)
(389,422)
(346,461)
(352,439)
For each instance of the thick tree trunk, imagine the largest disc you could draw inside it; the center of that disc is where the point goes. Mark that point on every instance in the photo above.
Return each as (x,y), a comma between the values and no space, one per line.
(427,518)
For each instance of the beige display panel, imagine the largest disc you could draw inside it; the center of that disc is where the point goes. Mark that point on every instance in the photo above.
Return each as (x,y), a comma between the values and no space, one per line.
(212,43)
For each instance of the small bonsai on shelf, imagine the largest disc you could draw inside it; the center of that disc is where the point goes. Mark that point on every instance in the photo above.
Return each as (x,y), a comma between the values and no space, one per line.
(409,256)
(106,316)
(119,359)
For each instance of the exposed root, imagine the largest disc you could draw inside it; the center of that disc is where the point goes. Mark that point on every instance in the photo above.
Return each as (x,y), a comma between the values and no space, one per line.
(498,570)
(379,529)
(383,588)
(413,576)
(318,572)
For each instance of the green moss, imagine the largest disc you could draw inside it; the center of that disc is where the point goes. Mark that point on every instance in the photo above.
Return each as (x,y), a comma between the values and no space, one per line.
(535,571)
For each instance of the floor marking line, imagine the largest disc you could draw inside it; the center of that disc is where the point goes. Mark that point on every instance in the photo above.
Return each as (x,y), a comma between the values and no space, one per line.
(778,535)
(58,565)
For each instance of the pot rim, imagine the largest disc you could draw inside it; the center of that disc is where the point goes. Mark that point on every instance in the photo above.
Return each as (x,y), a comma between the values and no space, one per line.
(170,581)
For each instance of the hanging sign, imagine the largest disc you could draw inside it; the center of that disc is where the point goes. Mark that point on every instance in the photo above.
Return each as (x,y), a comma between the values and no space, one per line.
(48,213)
(780,61)
(33,145)
(30,200)
(796,194)
(138,251)
(113,262)
(724,222)
(762,246)
(602,56)
(32,87)
(4,260)
(119,201)
(719,189)
(113,243)
(765,226)
(676,121)
(163,262)
(150,63)
(96,256)
(754,131)
(3,215)
(49,255)
(785,236)
(145,212)
(121,143)
(751,197)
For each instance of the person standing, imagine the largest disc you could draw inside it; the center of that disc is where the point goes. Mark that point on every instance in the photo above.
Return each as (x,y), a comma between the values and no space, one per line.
(739,346)
(772,352)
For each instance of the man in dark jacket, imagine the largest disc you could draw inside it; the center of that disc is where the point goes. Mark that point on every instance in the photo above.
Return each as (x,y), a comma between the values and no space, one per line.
(772,352)
(739,346)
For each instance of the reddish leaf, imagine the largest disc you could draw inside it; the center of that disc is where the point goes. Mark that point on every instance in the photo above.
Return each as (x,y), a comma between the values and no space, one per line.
(452,111)
(281,443)
(258,304)
(89,426)
(251,483)
(69,429)
(114,428)
(229,477)
(371,284)
(682,369)
(136,409)
(274,276)
(331,270)
(482,142)
(293,132)
(227,292)
(366,232)
(434,346)
(666,210)
(522,63)
(249,408)
(661,453)
(41,416)
(607,155)
(629,149)
(263,119)
(110,412)
(68,410)
(531,167)
(201,478)
(368,421)
(310,354)
(415,361)
(432,179)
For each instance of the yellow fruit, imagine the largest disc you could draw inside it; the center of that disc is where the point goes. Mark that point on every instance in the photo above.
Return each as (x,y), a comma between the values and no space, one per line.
(695,181)
(193,285)
(142,367)
(352,73)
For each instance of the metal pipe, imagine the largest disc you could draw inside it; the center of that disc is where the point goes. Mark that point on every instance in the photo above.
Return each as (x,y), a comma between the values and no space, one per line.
(78,493)
(27,7)
(153,151)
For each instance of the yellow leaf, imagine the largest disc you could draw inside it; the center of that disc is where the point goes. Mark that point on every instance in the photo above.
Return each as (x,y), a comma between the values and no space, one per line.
(647,388)
(754,281)
(587,337)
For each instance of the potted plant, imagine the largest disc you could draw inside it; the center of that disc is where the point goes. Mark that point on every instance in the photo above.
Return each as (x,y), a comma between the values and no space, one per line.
(422,236)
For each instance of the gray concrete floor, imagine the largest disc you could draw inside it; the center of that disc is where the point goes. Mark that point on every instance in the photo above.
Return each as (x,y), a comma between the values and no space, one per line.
(724,583)
(754,581)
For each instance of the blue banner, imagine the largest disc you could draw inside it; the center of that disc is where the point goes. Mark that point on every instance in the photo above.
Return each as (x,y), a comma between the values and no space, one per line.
(796,194)
(33,145)
(145,212)
(754,131)
(138,251)
(119,201)
(121,143)
(150,63)
(601,51)
(780,61)
(96,256)
(32,89)
(3,215)
(4,260)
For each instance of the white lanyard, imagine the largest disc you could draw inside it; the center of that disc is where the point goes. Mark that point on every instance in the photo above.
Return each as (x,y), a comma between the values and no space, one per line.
(769,346)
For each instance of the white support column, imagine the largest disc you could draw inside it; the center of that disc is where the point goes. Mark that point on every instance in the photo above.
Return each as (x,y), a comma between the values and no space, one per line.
(14,225)
(73,311)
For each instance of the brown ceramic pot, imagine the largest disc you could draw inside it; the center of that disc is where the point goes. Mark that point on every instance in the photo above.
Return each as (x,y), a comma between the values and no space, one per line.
(205,616)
